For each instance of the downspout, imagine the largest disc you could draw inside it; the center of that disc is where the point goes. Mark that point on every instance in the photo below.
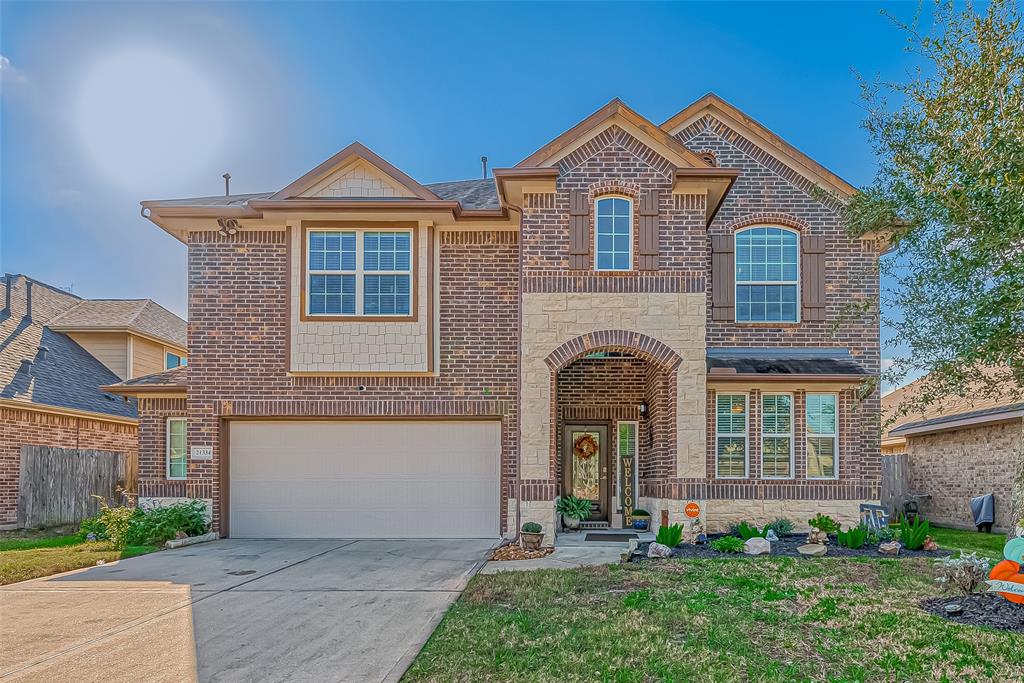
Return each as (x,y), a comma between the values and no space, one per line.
(518,482)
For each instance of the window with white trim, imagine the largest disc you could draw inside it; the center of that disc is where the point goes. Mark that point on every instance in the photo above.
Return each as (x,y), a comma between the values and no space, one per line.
(613,233)
(359,273)
(731,436)
(767,275)
(776,436)
(822,436)
(177,451)
(626,444)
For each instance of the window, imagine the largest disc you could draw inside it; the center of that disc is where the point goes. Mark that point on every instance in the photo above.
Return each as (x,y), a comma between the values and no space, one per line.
(776,436)
(614,233)
(177,456)
(173,360)
(822,436)
(626,445)
(359,273)
(767,276)
(731,436)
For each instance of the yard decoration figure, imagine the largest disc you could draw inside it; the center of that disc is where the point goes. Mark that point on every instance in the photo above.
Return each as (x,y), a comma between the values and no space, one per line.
(1007,577)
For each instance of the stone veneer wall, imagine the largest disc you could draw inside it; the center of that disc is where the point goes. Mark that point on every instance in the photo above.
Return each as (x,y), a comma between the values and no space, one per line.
(953,467)
(29,427)
(718,514)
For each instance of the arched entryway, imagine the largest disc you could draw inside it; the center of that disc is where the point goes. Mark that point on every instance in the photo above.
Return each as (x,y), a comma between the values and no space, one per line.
(613,418)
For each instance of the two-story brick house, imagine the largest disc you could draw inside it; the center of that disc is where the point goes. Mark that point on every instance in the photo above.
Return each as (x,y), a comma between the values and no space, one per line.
(641,315)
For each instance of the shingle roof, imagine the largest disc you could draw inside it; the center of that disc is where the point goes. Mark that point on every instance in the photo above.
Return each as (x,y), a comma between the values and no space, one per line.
(785,361)
(217,201)
(973,417)
(173,378)
(65,375)
(137,315)
(472,194)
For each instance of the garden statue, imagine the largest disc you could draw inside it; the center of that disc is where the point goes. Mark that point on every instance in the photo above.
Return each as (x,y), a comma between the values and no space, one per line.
(1007,577)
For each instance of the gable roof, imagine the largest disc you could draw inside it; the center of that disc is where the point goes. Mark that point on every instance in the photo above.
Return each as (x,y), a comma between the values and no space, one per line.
(352,154)
(169,381)
(143,316)
(65,375)
(713,105)
(615,113)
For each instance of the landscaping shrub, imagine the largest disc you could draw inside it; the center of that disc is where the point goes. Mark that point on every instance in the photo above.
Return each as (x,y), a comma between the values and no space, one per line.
(965,573)
(824,523)
(92,529)
(532,528)
(670,535)
(160,524)
(728,544)
(748,531)
(782,526)
(913,534)
(115,521)
(876,536)
(853,538)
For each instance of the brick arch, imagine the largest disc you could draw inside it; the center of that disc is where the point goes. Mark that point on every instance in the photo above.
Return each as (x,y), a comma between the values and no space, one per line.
(783,219)
(606,187)
(636,343)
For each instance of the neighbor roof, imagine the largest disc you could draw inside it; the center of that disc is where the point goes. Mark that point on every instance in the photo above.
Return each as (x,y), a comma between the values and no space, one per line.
(782,361)
(142,316)
(969,419)
(64,375)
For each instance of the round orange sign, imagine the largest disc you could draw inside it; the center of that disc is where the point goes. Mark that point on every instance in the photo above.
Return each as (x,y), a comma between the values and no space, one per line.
(692,510)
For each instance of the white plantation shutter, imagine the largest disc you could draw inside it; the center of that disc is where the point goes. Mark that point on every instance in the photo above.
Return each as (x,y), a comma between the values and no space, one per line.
(731,435)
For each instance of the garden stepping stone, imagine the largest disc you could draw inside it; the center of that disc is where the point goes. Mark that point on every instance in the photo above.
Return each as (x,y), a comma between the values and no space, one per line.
(757,546)
(812,549)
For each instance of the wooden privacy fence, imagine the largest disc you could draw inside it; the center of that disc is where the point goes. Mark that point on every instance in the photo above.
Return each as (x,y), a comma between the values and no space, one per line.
(895,478)
(57,485)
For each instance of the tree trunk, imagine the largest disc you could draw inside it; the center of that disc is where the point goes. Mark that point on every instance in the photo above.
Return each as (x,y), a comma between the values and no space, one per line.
(1017,510)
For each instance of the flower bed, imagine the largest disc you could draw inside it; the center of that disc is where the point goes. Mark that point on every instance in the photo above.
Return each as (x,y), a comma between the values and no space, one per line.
(786,546)
(980,609)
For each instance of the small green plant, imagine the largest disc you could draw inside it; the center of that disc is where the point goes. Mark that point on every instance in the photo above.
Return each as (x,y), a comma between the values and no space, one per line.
(782,526)
(670,535)
(965,573)
(882,535)
(92,529)
(116,521)
(824,523)
(912,534)
(636,599)
(728,544)
(532,528)
(160,524)
(853,538)
(748,531)
(640,512)
(573,507)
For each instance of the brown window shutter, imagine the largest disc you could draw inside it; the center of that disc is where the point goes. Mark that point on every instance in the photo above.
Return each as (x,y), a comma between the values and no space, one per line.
(812,277)
(723,278)
(579,230)
(650,202)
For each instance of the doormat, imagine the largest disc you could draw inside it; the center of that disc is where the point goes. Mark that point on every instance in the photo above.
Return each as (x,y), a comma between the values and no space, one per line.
(610,538)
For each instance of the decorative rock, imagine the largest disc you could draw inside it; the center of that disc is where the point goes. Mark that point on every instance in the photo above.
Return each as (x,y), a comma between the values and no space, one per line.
(771,536)
(633,543)
(658,550)
(812,550)
(817,537)
(929,544)
(693,532)
(890,548)
(953,608)
(757,546)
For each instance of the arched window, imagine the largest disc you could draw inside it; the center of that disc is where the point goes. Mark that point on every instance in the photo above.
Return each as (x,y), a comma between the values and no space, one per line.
(613,233)
(767,275)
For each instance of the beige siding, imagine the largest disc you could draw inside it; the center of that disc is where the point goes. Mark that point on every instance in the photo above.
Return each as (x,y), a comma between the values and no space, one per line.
(109,348)
(148,357)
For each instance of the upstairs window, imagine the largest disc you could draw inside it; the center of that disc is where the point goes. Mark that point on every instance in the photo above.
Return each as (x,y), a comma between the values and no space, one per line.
(767,275)
(173,360)
(614,233)
(359,273)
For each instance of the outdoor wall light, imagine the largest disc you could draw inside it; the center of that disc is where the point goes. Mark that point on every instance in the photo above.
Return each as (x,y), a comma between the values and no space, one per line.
(643,408)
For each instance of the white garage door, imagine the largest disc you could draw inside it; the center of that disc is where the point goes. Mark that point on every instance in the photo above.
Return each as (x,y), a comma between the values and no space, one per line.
(380,479)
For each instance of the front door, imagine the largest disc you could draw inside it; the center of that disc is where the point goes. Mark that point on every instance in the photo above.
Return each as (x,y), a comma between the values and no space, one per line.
(585,466)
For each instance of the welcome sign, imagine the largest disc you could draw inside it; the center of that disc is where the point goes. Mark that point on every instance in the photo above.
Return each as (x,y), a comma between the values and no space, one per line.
(1007,577)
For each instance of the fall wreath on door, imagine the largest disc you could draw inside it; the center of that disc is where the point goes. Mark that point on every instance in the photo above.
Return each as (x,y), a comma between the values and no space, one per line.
(585,446)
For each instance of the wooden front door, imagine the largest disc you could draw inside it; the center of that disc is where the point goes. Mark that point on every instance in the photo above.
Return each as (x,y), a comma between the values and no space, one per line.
(585,466)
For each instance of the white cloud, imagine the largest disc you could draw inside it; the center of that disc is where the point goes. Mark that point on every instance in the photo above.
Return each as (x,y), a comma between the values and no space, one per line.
(9,74)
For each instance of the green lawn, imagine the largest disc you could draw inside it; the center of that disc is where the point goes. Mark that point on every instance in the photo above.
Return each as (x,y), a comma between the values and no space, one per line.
(986,545)
(29,555)
(756,619)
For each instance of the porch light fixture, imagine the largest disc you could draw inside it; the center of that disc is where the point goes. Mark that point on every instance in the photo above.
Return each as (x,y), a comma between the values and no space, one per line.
(228,226)
(643,409)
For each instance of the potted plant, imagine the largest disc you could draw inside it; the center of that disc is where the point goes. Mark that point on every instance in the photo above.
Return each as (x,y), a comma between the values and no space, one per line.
(641,519)
(532,535)
(573,510)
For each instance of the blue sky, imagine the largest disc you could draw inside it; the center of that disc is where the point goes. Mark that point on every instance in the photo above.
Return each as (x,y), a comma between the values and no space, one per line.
(104,105)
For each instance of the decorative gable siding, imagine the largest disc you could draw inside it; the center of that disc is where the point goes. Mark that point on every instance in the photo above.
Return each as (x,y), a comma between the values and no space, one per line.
(359,180)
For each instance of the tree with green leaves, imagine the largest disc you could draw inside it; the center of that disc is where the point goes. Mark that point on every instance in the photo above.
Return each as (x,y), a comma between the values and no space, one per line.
(949,196)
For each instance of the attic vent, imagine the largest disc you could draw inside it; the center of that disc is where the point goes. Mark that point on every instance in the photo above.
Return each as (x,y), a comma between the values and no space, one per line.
(709,156)
(41,353)
(26,366)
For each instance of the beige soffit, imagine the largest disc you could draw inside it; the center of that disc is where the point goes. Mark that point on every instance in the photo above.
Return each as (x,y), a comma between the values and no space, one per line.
(761,136)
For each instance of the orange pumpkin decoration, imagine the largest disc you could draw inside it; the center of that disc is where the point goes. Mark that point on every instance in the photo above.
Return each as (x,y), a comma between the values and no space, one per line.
(1008,570)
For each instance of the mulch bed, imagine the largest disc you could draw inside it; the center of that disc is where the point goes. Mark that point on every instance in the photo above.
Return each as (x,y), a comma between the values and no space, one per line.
(980,609)
(516,552)
(785,547)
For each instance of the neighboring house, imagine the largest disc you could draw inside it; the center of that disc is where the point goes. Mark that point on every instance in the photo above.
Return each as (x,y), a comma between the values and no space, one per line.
(56,351)
(641,315)
(955,450)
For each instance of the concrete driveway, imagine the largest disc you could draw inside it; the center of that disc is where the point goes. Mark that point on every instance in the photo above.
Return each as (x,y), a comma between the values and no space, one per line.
(233,610)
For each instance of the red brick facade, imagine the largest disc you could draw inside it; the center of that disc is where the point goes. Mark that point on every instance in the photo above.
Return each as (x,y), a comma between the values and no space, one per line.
(30,427)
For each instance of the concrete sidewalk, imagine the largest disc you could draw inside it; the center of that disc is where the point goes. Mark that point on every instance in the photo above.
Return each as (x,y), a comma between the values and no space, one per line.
(316,610)
(572,550)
